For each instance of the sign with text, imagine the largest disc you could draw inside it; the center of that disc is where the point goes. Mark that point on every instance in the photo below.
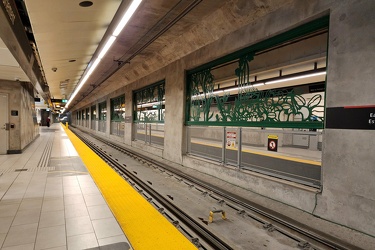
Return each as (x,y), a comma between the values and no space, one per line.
(231,139)
(351,117)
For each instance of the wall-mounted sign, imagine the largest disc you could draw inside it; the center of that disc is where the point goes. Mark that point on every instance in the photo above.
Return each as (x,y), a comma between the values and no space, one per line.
(272,143)
(351,117)
(231,139)
(14,112)
(59,100)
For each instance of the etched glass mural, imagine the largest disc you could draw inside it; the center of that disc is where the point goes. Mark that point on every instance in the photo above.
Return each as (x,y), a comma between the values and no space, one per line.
(150,103)
(230,94)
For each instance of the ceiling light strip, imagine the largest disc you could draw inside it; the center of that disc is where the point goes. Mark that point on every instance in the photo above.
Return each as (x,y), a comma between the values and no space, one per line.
(296,78)
(106,47)
(124,20)
(128,14)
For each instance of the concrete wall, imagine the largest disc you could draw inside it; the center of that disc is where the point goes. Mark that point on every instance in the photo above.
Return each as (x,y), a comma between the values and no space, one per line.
(348,196)
(29,124)
(25,125)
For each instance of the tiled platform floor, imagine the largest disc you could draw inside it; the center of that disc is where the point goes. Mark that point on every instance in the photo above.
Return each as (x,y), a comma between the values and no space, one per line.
(49,201)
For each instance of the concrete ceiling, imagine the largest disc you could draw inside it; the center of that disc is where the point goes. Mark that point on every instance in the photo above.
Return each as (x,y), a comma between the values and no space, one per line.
(68,36)
(9,67)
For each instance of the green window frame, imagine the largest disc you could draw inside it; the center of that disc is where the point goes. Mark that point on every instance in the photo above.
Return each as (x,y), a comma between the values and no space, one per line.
(93,112)
(208,104)
(149,103)
(103,111)
(118,108)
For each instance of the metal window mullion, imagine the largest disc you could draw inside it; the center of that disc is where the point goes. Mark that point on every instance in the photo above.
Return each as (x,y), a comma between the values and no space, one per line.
(188,137)
(145,132)
(150,133)
(239,152)
(223,150)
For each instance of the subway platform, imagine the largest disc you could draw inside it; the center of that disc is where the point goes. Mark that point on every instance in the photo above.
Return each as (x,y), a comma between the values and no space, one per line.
(48,200)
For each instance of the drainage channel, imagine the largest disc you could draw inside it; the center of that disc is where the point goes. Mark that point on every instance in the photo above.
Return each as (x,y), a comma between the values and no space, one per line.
(306,239)
(198,234)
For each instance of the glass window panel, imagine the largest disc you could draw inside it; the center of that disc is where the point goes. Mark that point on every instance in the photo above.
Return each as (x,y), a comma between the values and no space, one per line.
(150,103)
(103,111)
(118,108)
(93,112)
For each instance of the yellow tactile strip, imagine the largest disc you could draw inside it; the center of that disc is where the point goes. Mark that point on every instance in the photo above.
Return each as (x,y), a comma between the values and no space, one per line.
(143,225)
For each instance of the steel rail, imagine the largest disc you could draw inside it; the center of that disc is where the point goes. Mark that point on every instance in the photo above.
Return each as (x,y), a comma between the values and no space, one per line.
(321,238)
(208,237)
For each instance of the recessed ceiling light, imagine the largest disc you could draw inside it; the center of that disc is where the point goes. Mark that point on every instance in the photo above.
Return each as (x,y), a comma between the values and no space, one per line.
(73,60)
(85,3)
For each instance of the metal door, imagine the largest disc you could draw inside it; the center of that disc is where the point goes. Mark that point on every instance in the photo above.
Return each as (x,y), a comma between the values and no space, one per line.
(4,123)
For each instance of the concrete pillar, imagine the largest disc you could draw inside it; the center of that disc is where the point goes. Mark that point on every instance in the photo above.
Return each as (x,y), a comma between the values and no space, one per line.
(174,112)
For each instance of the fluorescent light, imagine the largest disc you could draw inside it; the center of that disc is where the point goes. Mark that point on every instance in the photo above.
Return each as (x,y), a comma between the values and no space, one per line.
(126,17)
(229,90)
(107,46)
(150,104)
(93,66)
(296,78)
(128,14)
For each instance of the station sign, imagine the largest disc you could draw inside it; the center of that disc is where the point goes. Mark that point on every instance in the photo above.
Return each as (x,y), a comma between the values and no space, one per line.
(59,100)
(351,117)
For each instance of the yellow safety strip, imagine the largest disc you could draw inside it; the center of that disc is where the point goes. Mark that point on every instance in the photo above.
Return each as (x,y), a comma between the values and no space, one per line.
(143,225)
(283,157)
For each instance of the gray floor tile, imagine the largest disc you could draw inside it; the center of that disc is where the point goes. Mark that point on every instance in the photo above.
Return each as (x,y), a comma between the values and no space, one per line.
(90,190)
(35,194)
(2,238)
(70,183)
(8,201)
(53,205)
(58,248)
(73,199)
(84,241)
(8,210)
(99,212)
(105,228)
(79,225)
(27,204)
(54,180)
(20,247)
(26,217)
(116,246)
(50,237)
(94,200)
(72,190)
(52,218)
(21,235)
(113,240)
(75,210)
(5,223)
(53,194)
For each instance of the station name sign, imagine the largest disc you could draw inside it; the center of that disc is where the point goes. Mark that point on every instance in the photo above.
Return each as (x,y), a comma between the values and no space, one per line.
(351,117)
(59,100)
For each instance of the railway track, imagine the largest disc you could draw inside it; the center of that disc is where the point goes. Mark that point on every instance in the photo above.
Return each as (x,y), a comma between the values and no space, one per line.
(193,229)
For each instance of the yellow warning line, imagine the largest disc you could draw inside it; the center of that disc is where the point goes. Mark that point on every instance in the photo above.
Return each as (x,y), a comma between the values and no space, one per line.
(283,157)
(143,225)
